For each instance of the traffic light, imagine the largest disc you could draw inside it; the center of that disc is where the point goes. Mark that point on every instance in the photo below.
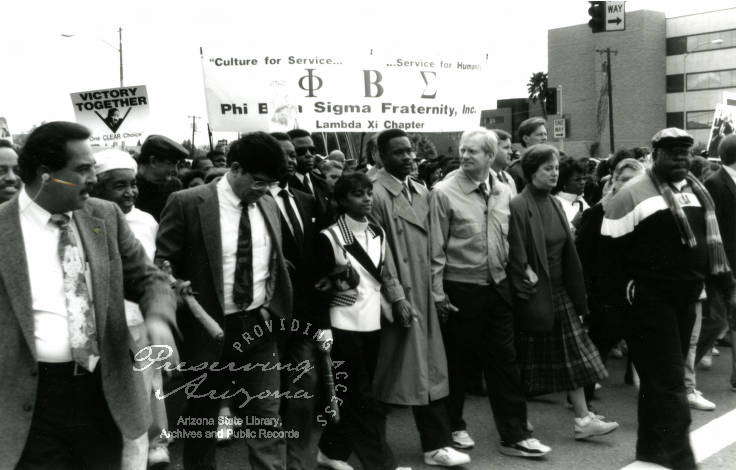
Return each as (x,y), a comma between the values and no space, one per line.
(597,12)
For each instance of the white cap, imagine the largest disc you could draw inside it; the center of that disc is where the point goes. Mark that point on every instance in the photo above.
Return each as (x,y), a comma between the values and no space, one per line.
(114,159)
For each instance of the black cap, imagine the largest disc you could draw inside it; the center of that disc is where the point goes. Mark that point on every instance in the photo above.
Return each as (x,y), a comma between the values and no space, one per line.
(161,146)
(671,137)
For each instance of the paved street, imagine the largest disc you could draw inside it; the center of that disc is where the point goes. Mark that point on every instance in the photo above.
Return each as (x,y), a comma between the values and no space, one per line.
(552,420)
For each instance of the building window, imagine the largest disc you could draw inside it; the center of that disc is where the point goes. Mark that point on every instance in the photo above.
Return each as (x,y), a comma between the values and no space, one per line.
(675,83)
(699,119)
(675,120)
(711,80)
(701,42)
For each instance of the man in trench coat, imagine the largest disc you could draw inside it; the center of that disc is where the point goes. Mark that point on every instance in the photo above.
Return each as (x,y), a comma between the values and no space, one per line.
(412,367)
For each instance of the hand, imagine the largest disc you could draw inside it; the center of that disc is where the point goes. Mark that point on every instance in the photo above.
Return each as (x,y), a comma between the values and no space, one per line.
(159,333)
(444,308)
(324,285)
(324,340)
(404,312)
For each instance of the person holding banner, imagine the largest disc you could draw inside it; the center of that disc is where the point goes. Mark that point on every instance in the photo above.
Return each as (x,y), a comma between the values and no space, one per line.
(156,169)
(225,238)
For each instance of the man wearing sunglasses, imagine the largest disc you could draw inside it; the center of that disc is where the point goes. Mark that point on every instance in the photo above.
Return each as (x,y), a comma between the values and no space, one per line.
(225,238)
(304,178)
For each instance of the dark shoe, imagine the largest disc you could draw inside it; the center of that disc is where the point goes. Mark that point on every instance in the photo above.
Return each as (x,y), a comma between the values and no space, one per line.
(530,448)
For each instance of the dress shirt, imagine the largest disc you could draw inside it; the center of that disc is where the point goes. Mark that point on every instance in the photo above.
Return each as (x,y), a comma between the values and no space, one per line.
(144,227)
(275,190)
(230,213)
(46,277)
(306,181)
(731,172)
(571,203)
(467,234)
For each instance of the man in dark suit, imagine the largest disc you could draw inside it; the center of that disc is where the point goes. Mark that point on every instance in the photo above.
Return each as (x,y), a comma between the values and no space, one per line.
(722,187)
(156,179)
(304,178)
(297,212)
(225,237)
(69,392)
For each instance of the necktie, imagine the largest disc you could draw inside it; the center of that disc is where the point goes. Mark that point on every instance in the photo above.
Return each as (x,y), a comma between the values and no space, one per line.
(243,279)
(81,322)
(307,186)
(502,177)
(296,229)
(406,191)
(483,190)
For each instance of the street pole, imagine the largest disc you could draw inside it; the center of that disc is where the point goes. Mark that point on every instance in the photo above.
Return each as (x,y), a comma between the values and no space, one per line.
(194,129)
(120,51)
(610,93)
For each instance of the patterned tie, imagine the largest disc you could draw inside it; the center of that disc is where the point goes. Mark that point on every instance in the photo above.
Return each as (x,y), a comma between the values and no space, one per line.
(82,329)
(243,280)
(483,190)
(296,229)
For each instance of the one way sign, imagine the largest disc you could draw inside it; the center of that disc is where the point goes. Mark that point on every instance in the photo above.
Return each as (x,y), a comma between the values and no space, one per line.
(615,16)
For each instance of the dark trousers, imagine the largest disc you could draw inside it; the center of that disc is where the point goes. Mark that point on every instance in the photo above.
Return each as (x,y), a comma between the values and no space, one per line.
(298,414)
(607,329)
(433,424)
(71,427)
(715,310)
(362,427)
(659,328)
(265,444)
(484,326)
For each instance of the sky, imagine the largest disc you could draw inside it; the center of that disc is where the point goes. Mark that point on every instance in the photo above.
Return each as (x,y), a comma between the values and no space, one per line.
(161,41)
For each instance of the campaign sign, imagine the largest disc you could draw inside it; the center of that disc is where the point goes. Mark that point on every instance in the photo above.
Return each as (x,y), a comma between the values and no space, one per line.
(114,115)
(724,124)
(356,92)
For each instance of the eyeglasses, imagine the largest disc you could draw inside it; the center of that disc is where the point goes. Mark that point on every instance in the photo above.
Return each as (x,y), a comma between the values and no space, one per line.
(301,151)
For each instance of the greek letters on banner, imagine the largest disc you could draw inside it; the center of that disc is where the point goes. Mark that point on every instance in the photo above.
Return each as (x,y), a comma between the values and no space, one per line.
(352,92)
(114,115)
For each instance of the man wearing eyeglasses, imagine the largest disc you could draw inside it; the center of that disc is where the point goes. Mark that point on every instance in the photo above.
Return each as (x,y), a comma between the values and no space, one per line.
(225,238)
(304,178)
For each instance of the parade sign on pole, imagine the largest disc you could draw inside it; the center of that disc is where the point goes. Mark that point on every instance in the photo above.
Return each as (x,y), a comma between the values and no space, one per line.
(5,131)
(268,91)
(114,115)
(724,122)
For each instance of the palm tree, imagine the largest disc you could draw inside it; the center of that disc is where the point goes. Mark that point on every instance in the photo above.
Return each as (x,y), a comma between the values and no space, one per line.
(537,88)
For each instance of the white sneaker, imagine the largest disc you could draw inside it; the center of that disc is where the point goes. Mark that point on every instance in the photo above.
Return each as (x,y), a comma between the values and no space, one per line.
(698,402)
(158,455)
(446,457)
(324,461)
(462,440)
(592,425)
(715,351)
(527,448)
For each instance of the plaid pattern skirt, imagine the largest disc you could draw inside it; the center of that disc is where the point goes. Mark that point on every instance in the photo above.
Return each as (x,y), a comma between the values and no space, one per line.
(562,359)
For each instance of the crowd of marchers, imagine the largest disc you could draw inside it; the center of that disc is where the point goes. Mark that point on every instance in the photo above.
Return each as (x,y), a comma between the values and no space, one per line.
(305,295)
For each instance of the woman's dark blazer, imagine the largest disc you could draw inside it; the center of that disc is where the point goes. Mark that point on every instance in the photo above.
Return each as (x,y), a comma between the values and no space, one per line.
(527,246)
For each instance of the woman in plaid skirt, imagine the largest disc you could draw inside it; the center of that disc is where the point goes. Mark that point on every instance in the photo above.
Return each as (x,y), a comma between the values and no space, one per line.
(555,353)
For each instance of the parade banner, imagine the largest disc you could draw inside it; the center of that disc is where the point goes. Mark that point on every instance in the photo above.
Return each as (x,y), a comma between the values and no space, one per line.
(724,120)
(114,115)
(262,90)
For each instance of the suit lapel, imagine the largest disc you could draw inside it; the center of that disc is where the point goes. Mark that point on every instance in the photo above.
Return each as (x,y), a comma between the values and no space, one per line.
(728,181)
(94,239)
(209,219)
(271,213)
(14,270)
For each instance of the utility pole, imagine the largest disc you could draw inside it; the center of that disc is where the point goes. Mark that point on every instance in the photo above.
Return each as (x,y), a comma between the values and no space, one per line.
(610,91)
(194,129)
(120,52)
(209,134)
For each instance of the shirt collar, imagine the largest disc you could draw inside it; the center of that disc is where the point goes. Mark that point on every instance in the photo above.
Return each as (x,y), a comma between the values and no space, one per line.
(301,176)
(731,172)
(570,197)
(226,192)
(36,213)
(276,189)
(680,184)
